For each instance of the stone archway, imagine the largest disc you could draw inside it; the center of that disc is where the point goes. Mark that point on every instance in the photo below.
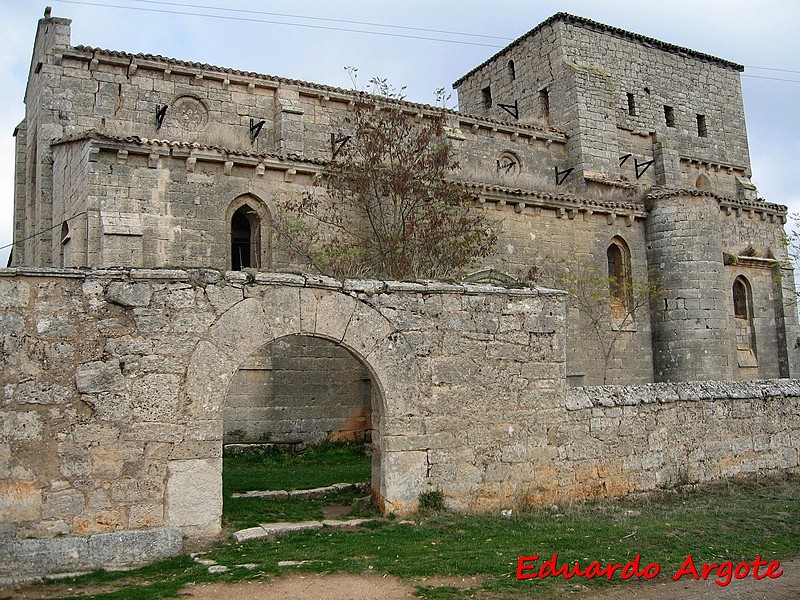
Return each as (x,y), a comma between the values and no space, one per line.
(268,314)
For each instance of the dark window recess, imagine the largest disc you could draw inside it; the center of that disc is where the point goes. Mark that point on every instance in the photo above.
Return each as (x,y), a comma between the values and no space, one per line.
(631,105)
(702,127)
(669,116)
(616,272)
(740,300)
(487,97)
(544,103)
(244,238)
(512,73)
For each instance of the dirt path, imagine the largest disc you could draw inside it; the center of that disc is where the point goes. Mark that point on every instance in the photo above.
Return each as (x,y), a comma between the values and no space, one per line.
(376,587)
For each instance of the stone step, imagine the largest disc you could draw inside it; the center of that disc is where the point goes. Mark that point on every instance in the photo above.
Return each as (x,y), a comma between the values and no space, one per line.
(266,530)
(308,493)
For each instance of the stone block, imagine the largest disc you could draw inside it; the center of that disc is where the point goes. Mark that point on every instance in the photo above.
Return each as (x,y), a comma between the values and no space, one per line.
(155,398)
(99,376)
(14,293)
(125,548)
(11,324)
(62,505)
(32,557)
(129,294)
(20,501)
(20,425)
(194,496)
(41,392)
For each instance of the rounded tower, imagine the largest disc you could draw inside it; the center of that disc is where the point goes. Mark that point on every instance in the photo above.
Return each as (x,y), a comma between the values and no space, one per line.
(690,312)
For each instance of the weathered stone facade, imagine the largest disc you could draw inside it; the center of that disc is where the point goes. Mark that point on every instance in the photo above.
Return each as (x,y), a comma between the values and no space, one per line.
(139,332)
(116,383)
(575,137)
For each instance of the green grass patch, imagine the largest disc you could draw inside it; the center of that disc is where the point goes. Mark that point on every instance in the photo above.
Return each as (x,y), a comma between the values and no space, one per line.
(319,466)
(729,521)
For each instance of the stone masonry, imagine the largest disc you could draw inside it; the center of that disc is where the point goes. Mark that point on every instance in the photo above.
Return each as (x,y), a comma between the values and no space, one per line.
(575,137)
(115,385)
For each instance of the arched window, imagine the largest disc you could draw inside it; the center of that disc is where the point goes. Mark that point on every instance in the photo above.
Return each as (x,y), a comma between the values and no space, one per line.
(743,313)
(740,299)
(512,71)
(619,274)
(244,238)
(62,250)
(249,222)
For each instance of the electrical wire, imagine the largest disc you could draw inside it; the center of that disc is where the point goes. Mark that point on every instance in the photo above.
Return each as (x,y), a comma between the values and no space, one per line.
(342,29)
(43,231)
(271,22)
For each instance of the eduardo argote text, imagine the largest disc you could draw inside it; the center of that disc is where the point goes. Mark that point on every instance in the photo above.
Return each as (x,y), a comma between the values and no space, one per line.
(722,573)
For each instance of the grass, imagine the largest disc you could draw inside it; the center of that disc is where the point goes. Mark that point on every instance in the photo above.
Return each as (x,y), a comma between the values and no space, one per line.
(733,520)
(317,467)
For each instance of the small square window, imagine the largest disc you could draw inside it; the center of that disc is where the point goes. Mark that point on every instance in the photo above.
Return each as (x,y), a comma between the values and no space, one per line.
(487,96)
(669,116)
(702,127)
(631,105)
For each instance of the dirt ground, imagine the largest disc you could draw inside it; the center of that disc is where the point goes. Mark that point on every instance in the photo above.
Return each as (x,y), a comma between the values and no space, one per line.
(352,587)
(309,586)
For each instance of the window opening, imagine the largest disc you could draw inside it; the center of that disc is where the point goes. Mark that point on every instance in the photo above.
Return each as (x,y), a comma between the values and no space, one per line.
(702,127)
(512,73)
(745,342)
(65,237)
(669,116)
(544,103)
(739,299)
(487,96)
(244,238)
(619,284)
(631,104)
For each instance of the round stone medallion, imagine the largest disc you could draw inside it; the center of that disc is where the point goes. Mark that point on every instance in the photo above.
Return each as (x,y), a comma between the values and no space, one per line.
(189,113)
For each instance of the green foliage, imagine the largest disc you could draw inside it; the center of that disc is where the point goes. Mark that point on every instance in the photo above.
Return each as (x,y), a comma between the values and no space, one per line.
(384,206)
(432,500)
(609,305)
(237,434)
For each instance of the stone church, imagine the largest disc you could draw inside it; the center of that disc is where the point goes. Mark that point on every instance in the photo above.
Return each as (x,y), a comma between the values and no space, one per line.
(148,310)
(579,139)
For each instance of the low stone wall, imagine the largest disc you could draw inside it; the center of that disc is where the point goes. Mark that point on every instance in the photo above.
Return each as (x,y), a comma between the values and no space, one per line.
(614,440)
(115,384)
(114,387)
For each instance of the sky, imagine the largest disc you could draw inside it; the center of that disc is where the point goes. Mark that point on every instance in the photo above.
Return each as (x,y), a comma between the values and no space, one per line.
(763,36)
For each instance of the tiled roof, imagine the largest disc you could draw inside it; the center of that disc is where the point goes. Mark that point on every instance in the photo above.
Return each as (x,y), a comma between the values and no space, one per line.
(154,142)
(602,28)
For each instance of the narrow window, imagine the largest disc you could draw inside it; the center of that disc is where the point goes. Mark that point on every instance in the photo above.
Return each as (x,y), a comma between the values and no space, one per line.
(742,312)
(544,103)
(739,299)
(669,116)
(512,72)
(65,237)
(631,105)
(702,128)
(487,96)
(619,278)
(244,238)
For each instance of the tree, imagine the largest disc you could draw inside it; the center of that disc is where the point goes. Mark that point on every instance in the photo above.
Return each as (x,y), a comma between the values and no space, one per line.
(384,206)
(611,304)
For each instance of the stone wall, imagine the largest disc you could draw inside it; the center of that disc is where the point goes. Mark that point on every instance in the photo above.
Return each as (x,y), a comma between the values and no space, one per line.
(115,384)
(614,440)
(299,389)
(590,71)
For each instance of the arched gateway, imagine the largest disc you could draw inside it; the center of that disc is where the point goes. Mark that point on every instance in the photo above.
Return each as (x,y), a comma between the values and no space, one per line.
(270,314)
